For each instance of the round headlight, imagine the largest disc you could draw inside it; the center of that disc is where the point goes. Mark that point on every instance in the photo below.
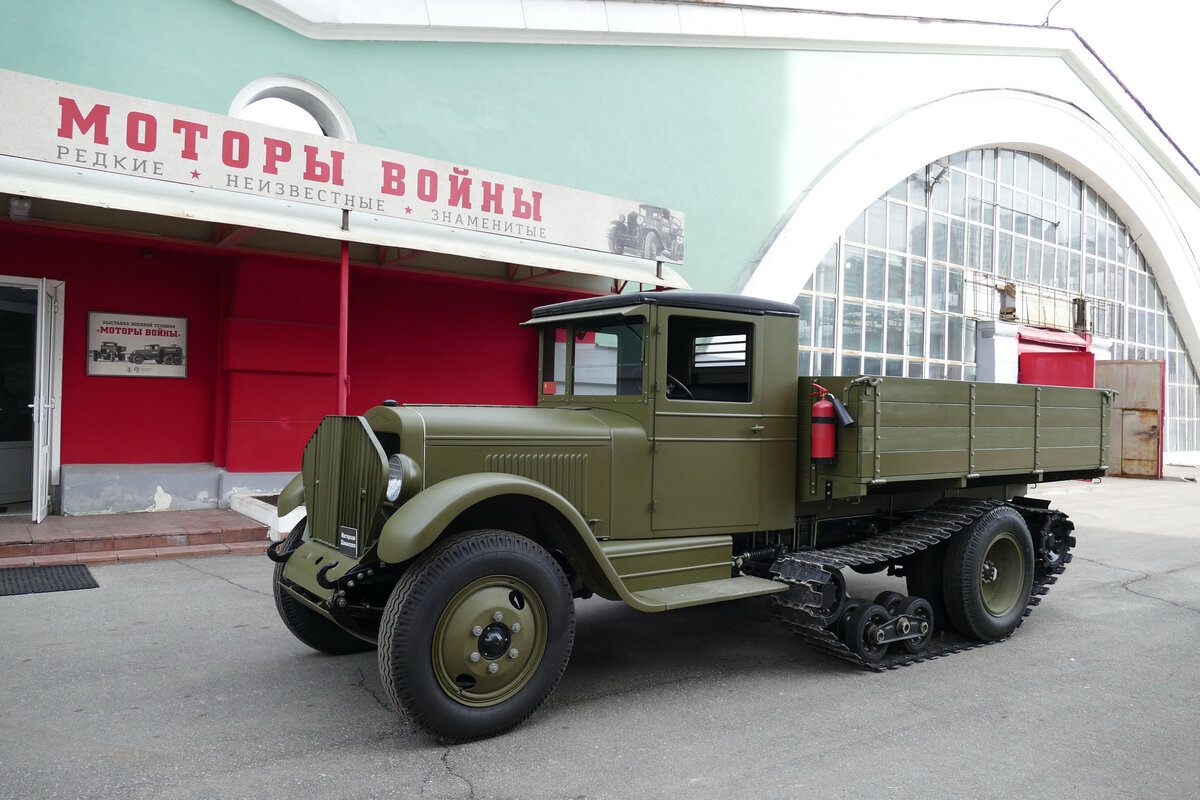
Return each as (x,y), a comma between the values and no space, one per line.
(395,478)
(403,474)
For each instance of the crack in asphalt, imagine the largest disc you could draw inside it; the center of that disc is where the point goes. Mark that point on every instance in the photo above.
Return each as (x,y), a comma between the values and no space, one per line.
(1145,576)
(450,771)
(184,563)
(361,683)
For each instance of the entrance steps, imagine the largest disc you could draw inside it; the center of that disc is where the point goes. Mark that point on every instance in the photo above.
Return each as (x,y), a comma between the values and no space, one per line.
(114,538)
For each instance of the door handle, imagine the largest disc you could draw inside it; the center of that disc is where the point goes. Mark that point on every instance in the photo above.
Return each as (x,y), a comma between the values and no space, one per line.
(757,428)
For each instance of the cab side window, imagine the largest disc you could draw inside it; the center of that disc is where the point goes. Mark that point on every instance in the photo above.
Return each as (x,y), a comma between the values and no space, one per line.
(709,359)
(608,356)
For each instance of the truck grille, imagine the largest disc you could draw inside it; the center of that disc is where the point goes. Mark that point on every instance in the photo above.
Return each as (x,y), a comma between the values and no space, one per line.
(565,473)
(345,473)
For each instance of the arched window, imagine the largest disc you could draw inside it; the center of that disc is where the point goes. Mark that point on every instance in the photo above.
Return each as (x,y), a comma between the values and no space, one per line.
(291,102)
(988,234)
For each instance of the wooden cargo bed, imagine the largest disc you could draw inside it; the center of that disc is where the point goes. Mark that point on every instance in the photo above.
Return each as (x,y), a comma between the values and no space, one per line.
(912,429)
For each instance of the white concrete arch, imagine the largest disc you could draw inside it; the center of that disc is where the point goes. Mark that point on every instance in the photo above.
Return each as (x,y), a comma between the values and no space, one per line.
(323,106)
(1007,118)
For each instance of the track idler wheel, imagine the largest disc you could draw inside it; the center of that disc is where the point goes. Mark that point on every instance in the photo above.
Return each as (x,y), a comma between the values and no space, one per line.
(917,614)
(868,629)
(833,599)
(866,632)
(891,601)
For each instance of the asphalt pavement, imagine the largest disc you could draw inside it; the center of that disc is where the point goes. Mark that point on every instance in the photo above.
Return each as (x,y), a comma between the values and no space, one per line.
(175,679)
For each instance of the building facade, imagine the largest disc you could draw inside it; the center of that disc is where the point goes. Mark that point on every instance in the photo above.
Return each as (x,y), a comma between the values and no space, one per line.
(907,182)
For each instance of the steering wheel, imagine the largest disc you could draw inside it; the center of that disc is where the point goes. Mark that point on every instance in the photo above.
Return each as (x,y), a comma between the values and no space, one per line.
(675,383)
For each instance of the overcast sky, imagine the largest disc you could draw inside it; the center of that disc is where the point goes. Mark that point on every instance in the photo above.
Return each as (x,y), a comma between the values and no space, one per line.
(1149,44)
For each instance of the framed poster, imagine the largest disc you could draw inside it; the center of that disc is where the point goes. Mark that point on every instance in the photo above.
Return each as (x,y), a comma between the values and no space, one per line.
(136,345)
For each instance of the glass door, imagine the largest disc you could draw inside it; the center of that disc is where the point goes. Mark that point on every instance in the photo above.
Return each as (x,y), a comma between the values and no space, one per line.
(30,392)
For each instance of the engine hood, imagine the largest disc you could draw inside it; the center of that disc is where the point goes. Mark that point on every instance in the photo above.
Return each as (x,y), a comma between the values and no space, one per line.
(449,425)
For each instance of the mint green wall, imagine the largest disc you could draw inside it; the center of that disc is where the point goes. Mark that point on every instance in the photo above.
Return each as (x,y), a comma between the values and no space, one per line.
(700,131)
(732,137)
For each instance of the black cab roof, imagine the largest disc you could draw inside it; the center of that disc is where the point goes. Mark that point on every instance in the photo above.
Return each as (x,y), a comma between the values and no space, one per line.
(703,301)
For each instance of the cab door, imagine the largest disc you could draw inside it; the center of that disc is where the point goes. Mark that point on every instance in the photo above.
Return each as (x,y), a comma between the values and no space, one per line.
(708,422)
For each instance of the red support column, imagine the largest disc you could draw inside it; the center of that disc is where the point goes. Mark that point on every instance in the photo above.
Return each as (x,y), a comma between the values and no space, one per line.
(343,379)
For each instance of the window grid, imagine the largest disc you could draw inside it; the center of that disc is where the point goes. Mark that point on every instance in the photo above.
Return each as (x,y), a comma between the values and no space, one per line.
(987,234)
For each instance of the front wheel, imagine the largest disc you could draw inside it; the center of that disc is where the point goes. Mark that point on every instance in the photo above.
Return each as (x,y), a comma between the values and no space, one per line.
(988,575)
(476,635)
(616,239)
(651,246)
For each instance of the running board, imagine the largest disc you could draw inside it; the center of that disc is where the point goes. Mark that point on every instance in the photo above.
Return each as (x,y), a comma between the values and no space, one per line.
(697,594)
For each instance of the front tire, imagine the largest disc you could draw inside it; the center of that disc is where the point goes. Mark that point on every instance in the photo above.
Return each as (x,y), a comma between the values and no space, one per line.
(651,246)
(988,575)
(476,635)
(307,625)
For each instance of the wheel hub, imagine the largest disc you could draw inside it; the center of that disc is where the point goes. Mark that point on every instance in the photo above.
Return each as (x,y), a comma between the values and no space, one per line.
(494,641)
(1001,578)
(489,641)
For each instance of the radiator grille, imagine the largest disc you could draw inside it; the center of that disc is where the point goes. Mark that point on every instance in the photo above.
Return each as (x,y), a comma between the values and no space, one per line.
(345,472)
(564,473)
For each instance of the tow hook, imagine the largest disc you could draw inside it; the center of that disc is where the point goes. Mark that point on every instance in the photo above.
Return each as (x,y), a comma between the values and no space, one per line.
(322,580)
(278,557)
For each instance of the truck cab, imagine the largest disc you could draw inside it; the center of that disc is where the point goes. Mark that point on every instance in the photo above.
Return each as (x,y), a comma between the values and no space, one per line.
(711,381)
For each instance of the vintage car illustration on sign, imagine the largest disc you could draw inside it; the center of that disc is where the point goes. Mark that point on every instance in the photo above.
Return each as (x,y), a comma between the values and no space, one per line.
(651,232)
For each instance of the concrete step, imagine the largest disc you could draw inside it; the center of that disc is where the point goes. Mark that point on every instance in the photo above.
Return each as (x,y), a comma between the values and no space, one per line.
(113,538)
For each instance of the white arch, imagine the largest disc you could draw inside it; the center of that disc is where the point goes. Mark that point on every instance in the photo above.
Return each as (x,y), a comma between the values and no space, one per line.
(985,118)
(324,107)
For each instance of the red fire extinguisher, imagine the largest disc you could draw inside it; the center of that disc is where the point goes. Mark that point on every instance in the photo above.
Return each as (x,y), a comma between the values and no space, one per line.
(827,413)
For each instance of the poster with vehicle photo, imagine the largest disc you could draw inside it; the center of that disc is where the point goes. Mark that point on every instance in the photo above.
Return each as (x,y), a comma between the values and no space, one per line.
(136,345)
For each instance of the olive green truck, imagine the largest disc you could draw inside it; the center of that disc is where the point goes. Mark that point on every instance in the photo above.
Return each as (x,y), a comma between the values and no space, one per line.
(674,458)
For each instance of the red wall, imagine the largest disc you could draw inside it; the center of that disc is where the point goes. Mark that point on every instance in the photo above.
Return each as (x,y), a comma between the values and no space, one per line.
(279,340)
(109,420)
(425,341)
(262,347)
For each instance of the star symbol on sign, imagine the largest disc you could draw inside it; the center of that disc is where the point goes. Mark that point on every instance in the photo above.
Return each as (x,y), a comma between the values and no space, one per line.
(195,175)
(408,209)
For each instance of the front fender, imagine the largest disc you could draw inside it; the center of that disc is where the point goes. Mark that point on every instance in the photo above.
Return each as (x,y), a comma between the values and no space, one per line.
(291,496)
(420,521)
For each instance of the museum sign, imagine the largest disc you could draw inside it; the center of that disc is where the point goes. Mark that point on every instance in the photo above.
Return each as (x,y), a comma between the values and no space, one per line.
(80,127)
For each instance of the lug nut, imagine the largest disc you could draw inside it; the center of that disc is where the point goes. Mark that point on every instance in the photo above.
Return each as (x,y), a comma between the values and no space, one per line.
(902,626)
(498,616)
(477,630)
(879,635)
(475,657)
(350,584)
(924,628)
(516,627)
(513,653)
(493,667)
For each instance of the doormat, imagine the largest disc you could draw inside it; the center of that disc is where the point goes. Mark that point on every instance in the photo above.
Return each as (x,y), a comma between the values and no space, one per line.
(56,578)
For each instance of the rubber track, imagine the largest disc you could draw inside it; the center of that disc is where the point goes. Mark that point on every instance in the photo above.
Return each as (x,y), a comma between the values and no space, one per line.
(945,519)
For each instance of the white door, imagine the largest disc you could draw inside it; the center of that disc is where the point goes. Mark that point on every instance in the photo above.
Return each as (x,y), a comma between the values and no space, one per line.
(47,396)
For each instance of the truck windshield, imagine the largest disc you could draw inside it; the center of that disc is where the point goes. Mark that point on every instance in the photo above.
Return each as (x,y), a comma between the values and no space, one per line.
(604,356)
